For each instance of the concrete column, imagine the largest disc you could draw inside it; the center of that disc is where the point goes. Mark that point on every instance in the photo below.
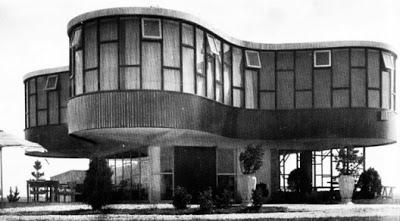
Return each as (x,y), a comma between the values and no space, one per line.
(275,171)
(306,163)
(155,178)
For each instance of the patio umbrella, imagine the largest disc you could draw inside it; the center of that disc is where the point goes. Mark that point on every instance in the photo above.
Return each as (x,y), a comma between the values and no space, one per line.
(9,140)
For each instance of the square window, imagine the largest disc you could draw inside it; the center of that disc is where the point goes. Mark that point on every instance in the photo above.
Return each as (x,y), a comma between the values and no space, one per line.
(51,83)
(388,60)
(253,59)
(151,28)
(212,45)
(77,38)
(322,58)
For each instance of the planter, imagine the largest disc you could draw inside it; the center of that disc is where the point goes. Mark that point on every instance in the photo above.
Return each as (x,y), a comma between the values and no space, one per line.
(346,187)
(249,184)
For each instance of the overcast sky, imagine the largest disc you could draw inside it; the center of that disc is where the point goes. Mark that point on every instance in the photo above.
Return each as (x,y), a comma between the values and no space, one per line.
(33,36)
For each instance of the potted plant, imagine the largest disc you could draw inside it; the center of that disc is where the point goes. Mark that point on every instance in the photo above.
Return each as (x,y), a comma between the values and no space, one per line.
(348,165)
(250,162)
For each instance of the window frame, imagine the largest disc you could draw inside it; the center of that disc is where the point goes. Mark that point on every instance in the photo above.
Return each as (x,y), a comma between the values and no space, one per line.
(47,87)
(389,58)
(76,41)
(212,45)
(152,36)
(322,65)
(248,60)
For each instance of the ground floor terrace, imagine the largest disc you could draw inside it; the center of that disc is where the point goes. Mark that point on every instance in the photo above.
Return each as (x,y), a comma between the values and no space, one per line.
(150,174)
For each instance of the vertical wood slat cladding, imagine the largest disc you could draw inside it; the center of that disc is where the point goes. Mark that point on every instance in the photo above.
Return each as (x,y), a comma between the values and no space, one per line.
(130,41)
(171,43)
(304,64)
(267,71)
(151,66)
(322,88)
(340,68)
(90,45)
(373,68)
(109,66)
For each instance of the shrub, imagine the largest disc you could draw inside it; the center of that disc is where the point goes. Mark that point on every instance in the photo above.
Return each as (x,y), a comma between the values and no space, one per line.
(251,159)
(263,188)
(223,198)
(97,184)
(370,184)
(13,196)
(206,201)
(257,198)
(298,181)
(181,198)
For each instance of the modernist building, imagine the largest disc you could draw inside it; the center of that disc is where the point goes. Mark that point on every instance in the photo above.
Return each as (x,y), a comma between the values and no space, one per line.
(170,101)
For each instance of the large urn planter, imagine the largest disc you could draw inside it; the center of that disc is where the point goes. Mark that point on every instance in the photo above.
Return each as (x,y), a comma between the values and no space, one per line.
(346,187)
(249,184)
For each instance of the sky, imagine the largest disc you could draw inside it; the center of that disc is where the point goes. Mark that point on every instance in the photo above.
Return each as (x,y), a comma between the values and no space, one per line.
(33,36)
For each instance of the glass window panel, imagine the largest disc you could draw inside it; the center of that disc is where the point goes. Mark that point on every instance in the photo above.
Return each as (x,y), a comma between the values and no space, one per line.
(32,110)
(237,67)
(358,90)
(166,159)
(284,60)
(91,45)
(78,73)
(187,34)
(172,80)
(218,92)
(237,97)
(42,93)
(42,117)
(135,167)
(129,41)
(374,98)
(373,68)
(32,86)
(171,43)
(322,88)
(130,77)
(227,84)
(322,58)
(341,98)
(91,81)
(64,88)
(218,62)
(303,99)
(388,60)
(358,57)
(63,115)
(51,82)
(340,68)
(210,77)
(227,54)
(285,90)
(166,187)
(201,85)
(76,41)
(251,89)
(109,66)
(267,100)
(200,51)
(211,46)
(118,174)
(151,28)
(385,89)
(111,164)
(151,65)
(53,107)
(188,70)
(303,70)
(108,30)
(225,161)
(267,72)
(252,59)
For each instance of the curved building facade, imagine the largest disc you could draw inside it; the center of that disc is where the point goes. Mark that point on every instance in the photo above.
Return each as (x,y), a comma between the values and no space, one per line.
(171,101)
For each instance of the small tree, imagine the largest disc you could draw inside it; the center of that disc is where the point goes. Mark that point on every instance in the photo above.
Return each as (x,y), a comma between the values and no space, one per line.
(13,196)
(348,161)
(370,184)
(181,198)
(251,158)
(97,185)
(37,174)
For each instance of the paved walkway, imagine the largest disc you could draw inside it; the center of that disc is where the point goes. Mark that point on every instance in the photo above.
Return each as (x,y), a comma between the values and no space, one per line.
(295,211)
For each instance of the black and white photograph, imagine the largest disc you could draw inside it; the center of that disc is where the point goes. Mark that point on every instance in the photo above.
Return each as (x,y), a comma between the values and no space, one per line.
(199,110)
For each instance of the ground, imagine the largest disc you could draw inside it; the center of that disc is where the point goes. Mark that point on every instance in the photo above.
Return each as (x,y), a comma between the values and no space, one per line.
(127,212)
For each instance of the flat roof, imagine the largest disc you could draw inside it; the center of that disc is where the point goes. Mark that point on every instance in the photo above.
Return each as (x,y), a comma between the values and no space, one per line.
(152,11)
(46,71)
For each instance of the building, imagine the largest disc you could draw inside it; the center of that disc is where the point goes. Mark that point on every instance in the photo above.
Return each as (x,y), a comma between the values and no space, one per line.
(171,101)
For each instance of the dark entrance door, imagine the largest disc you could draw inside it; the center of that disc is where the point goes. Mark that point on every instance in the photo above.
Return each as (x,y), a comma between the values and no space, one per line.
(195,169)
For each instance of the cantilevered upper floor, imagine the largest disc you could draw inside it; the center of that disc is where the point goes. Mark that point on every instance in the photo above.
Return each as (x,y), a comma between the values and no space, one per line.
(134,69)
